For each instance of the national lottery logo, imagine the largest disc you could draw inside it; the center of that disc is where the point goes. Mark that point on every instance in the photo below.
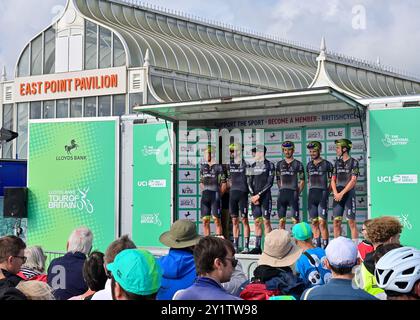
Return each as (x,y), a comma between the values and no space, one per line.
(390,140)
(150,151)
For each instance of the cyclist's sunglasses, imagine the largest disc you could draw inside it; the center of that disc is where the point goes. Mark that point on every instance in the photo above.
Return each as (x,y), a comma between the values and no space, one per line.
(312,145)
(287,145)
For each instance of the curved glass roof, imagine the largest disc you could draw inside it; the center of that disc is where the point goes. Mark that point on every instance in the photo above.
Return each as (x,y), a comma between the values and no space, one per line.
(205,51)
(192,60)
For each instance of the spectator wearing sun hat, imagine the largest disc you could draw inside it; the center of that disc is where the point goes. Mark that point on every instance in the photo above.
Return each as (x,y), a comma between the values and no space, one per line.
(178,266)
(311,265)
(136,275)
(341,258)
(275,267)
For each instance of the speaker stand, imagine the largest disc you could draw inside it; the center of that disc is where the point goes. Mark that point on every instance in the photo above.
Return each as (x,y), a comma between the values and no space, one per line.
(17,229)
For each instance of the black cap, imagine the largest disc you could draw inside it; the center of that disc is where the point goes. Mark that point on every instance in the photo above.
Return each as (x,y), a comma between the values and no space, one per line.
(259,147)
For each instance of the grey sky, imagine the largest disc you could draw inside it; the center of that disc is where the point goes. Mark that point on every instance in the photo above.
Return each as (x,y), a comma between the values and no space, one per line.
(390,30)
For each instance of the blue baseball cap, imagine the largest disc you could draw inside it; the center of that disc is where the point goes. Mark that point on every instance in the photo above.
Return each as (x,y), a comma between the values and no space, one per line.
(136,271)
(302,231)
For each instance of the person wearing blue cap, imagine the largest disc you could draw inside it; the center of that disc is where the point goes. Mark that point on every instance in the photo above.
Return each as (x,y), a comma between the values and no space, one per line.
(341,259)
(311,265)
(136,275)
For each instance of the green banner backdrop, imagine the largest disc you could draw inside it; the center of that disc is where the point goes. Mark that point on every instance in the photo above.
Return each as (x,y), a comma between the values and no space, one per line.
(72,179)
(394,168)
(152,183)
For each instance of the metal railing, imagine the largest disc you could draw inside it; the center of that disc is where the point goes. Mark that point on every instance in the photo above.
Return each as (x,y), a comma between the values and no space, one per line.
(51,255)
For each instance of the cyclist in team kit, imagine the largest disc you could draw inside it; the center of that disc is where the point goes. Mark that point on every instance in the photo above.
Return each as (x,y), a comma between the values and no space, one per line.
(236,172)
(260,181)
(212,185)
(343,182)
(319,173)
(291,181)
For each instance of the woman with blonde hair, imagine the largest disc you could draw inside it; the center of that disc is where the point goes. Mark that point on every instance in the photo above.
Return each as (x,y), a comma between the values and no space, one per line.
(34,267)
(36,290)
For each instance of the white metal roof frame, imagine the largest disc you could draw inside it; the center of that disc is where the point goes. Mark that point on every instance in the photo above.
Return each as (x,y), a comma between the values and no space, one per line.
(273,104)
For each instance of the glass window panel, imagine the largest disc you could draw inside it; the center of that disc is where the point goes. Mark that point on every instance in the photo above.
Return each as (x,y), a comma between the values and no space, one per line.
(118,105)
(49,109)
(49,54)
(22,129)
(119,53)
(136,99)
(90,46)
(63,108)
(104,104)
(104,48)
(76,108)
(7,124)
(36,56)
(90,107)
(23,66)
(36,108)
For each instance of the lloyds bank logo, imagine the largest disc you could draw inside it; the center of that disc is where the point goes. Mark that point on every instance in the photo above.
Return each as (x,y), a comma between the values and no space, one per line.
(69,150)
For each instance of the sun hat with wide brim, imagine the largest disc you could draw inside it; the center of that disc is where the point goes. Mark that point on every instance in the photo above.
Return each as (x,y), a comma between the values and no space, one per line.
(183,234)
(279,250)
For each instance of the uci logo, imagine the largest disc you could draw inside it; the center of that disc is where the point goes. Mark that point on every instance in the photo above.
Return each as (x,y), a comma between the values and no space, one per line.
(384,179)
(142,183)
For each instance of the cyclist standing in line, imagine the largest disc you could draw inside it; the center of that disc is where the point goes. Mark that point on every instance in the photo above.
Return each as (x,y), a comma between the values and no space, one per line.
(212,185)
(319,173)
(291,181)
(343,182)
(238,194)
(260,181)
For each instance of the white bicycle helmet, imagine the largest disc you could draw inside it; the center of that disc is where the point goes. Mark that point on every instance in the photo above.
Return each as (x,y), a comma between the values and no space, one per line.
(398,270)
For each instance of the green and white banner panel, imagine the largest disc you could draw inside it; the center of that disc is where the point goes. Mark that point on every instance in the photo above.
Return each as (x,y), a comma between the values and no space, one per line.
(394,168)
(325,128)
(152,183)
(73,181)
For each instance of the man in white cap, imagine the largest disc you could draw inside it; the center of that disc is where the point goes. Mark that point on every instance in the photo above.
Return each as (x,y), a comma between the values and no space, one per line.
(341,258)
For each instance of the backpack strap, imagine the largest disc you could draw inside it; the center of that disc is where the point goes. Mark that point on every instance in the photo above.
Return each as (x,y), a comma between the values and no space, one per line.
(312,260)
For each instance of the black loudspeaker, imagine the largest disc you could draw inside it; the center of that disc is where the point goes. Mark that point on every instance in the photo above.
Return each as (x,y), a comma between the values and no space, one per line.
(15,202)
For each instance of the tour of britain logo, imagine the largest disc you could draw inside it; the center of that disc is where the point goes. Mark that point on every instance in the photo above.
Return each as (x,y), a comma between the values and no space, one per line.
(70,199)
(150,218)
(69,149)
(391,140)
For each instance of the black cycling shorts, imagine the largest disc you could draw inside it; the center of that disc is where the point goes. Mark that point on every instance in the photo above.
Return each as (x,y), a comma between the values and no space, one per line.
(288,198)
(238,203)
(318,203)
(210,204)
(347,205)
(263,209)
